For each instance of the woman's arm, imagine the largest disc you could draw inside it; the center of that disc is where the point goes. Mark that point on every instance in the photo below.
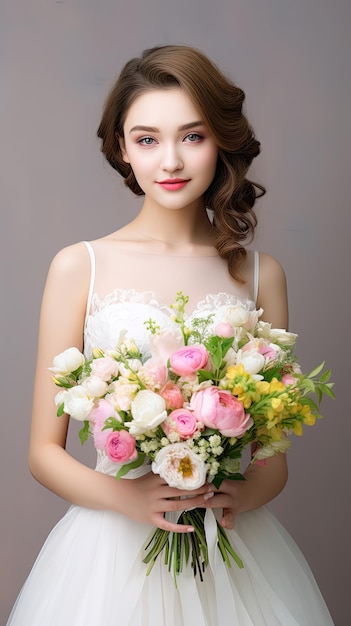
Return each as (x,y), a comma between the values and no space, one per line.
(61,326)
(263,481)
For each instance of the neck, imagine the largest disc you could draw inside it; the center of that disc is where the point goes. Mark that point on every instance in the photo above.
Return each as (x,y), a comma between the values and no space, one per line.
(179,227)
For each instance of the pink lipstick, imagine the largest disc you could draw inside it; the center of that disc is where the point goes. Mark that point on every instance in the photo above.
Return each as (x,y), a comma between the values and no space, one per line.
(173,184)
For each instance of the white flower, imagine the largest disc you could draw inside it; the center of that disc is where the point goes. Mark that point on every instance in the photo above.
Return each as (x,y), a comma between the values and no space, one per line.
(180,467)
(252,361)
(148,411)
(67,362)
(239,316)
(77,403)
(230,357)
(127,370)
(94,386)
(277,335)
(272,448)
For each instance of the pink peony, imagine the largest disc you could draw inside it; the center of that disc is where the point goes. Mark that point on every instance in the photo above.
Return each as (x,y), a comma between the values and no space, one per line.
(105,368)
(157,370)
(188,360)
(120,447)
(181,421)
(220,410)
(172,395)
(165,342)
(97,417)
(224,330)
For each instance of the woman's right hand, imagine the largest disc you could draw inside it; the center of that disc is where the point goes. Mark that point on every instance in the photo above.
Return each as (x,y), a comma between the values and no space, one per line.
(148,498)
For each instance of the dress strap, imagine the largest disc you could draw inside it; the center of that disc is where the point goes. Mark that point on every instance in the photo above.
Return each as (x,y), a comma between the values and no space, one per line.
(256,274)
(92,276)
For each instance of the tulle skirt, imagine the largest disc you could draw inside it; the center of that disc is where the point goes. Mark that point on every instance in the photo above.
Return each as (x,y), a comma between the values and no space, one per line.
(90,573)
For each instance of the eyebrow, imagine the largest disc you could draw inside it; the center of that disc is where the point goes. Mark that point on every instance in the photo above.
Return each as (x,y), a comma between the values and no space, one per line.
(153,129)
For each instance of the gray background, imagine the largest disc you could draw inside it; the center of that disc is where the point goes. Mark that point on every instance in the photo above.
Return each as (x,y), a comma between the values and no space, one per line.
(58,60)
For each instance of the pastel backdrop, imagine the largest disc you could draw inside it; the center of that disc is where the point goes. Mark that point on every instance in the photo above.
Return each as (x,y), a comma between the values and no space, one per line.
(58,60)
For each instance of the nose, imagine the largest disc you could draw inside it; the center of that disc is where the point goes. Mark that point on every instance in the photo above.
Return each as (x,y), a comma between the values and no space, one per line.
(171,159)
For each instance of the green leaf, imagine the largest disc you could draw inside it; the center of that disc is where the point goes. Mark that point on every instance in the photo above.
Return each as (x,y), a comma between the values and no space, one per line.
(204,375)
(112,422)
(326,390)
(129,466)
(236,476)
(317,370)
(325,376)
(220,476)
(61,410)
(84,432)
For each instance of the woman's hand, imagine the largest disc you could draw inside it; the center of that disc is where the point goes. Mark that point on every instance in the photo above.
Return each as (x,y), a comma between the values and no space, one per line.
(227,498)
(148,498)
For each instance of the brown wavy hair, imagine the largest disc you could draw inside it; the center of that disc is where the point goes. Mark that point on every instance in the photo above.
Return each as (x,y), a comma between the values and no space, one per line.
(231,196)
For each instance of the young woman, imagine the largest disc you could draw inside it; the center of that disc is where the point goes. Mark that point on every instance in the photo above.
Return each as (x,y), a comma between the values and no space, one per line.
(173,127)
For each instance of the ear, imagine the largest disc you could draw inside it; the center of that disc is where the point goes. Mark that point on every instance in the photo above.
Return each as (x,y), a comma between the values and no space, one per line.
(122,146)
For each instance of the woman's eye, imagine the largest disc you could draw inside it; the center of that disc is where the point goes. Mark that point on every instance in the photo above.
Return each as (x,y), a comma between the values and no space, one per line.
(193,137)
(146,141)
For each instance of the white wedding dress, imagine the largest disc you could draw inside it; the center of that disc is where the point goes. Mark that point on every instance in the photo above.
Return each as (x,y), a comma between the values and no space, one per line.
(90,571)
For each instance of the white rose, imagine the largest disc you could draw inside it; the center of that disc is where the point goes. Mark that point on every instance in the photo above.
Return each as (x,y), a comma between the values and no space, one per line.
(237,315)
(95,387)
(240,316)
(67,362)
(180,467)
(77,403)
(270,449)
(252,361)
(278,335)
(230,357)
(134,366)
(148,411)
(283,337)
(60,397)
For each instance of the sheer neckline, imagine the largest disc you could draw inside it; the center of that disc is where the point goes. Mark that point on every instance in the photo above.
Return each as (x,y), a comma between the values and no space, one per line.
(133,247)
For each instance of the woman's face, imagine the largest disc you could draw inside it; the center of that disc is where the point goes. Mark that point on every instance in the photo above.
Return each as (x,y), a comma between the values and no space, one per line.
(171,152)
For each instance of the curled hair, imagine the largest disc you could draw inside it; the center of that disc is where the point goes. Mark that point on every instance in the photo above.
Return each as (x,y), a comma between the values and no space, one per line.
(231,196)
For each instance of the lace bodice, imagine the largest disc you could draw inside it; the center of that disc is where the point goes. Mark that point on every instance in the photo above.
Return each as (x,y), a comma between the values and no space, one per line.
(126,311)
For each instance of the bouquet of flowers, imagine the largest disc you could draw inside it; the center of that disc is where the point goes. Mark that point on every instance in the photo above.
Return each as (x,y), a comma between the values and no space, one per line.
(191,408)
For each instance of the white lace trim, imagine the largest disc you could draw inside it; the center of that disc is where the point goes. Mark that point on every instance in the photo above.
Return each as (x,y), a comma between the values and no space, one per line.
(119,296)
(212,302)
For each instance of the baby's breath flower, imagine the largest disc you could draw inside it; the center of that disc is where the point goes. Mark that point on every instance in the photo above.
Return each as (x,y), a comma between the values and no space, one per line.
(217,451)
(204,443)
(214,468)
(164,441)
(197,434)
(174,437)
(215,440)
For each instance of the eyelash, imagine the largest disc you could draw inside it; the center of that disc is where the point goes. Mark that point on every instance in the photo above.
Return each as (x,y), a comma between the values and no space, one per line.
(142,140)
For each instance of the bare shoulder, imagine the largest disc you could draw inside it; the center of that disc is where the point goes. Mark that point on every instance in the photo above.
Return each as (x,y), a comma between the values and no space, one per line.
(272,291)
(72,260)
(270,270)
(69,276)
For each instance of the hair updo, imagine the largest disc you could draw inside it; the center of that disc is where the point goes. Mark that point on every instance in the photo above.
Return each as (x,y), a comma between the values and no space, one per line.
(231,196)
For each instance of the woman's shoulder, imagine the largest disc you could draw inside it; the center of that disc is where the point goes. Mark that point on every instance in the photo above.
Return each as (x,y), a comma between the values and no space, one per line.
(272,291)
(71,259)
(270,267)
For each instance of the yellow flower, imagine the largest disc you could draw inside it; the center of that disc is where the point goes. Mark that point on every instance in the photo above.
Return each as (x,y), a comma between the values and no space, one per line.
(309,420)
(298,429)
(263,386)
(277,404)
(276,385)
